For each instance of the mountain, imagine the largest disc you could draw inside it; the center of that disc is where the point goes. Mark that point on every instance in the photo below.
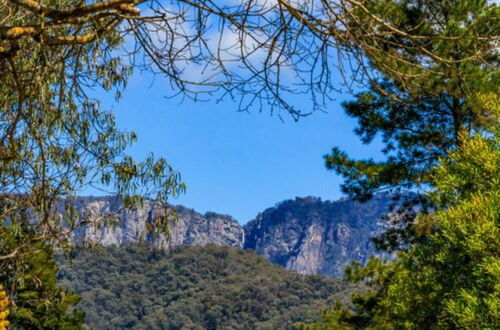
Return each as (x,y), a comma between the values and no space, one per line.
(193,287)
(191,227)
(306,235)
(311,236)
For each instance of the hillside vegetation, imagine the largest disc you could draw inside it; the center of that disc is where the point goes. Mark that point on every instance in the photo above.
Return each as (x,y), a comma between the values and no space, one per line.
(193,287)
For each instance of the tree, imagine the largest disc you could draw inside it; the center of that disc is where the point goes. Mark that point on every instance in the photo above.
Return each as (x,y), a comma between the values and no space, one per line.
(444,138)
(249,47)
(55,138)
(419,114)
(450,281)
(38,302)
(49,118)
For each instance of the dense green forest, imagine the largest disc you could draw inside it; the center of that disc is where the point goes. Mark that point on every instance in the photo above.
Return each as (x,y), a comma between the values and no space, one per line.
(193,287)
(420,78)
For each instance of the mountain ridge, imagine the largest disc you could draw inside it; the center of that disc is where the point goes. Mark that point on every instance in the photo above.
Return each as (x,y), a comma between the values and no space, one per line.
(305,234)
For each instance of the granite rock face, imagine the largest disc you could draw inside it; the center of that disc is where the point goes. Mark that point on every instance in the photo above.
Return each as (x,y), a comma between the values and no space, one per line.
(190,228)
(307,235)
(311,236)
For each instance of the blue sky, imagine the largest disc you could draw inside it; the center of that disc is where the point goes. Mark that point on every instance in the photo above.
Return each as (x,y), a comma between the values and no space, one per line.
(233,162)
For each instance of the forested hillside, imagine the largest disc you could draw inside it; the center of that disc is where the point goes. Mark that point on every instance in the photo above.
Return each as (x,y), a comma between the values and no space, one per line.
(193,287)
(307,235)
(417,79)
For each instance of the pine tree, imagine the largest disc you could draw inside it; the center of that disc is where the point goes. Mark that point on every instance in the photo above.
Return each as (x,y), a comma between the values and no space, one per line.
(450,279)
(440,127)
(418,114)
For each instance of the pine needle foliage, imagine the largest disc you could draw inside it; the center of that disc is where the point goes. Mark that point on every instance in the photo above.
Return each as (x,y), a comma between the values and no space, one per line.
(419,117)
(450,279)
(441,136)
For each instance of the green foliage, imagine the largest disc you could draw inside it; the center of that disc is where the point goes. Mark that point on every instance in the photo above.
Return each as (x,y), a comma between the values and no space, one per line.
(423,96)
(440,126)
(419,103)
(193,287)
(55,139)
(435,58)
(450,280)
(37,300)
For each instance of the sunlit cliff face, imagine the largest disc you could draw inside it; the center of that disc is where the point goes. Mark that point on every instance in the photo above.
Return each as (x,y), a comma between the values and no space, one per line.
(305,235)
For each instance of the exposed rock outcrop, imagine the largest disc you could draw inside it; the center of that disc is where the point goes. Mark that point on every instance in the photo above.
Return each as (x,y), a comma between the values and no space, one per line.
(307,235)
(191,227)
(312,236)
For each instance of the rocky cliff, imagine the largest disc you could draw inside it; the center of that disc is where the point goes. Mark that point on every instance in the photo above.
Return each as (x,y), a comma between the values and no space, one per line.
(307,235)
(190,227)
(312,236)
